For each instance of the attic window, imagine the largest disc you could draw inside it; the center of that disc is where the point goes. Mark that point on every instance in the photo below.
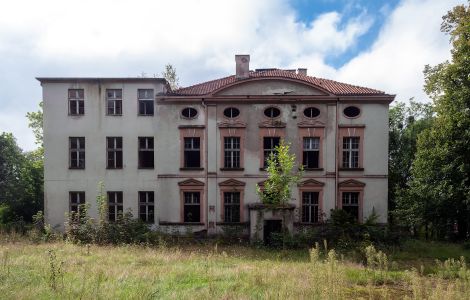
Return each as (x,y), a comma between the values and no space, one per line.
(351,111)
(189,113)
(311,112)
(231,112)
(272,112)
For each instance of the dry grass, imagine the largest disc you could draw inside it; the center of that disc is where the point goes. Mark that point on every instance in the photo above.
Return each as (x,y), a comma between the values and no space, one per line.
(61,270)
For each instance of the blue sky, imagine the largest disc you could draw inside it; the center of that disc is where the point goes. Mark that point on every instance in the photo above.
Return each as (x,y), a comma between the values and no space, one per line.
(374,43)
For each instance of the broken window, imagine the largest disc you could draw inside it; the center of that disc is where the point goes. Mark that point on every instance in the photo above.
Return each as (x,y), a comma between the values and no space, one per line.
(146,157)
(114,152)
(232,207)
(145,99)
(351,152)
(76,102)
(311,153)
(115,206)
(114,102)
(192,207)
(77,152)
(310,209)
(269,145)
(231,152)
(147,207)
(192,152)
(76,202)
(351,203)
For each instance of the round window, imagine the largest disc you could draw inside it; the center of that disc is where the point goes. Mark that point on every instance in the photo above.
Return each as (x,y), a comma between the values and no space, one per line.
(189,112)
(351,111)
(231,112)
(272,112)
(311,112)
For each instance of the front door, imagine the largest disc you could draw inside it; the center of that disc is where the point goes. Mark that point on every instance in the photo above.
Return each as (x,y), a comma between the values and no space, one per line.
(270,227)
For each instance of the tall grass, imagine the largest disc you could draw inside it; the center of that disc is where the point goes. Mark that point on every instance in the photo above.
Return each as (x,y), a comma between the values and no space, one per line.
(68,271)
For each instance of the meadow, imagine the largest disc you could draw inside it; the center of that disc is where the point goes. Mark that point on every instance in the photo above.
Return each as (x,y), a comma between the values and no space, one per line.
(60,270)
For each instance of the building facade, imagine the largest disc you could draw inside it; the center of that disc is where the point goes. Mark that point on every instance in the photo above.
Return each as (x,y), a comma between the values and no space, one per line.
(190,159)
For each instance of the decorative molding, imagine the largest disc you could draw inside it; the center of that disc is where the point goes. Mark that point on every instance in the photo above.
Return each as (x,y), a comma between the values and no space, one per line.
(191,182)
(232,182)
(311,183)
(272,124)
(231,124)
(351,183)
(311,123)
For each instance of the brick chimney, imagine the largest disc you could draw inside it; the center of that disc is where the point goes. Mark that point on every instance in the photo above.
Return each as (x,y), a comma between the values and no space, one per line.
(302,71)
(242,66)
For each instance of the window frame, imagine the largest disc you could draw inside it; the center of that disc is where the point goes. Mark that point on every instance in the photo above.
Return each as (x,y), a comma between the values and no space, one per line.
(77,152)
(190,117)
(352,185)
(351,131)
(192,185)
(272,107)
(145,149)
(80,101)
(350,157)
(306,151)
(311,107)
(147,204)
(233,153)
(268,132)
(316,208)
(117,202)
(345,194)
(232,205)
(311,186)
(270,150)
(231,108)
(228,186)
(145,101)
(80,203)
(115,150)
(114,100)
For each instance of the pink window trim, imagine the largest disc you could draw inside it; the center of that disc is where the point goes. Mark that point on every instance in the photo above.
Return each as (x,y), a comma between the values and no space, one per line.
(351,132)
(192,185)
(311,132)
(232,132)
(191,132)
(268,132)
(232,185)
(352,185)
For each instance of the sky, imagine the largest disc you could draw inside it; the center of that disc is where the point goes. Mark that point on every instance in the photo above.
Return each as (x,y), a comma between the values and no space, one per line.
(381,44)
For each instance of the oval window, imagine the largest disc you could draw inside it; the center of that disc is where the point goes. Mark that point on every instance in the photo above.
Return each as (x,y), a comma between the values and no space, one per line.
(311,112)
(189,112)
(272,112)
(351,111)
(231,112)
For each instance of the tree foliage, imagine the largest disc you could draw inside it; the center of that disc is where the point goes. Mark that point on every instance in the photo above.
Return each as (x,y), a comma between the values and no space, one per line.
(170,75)
(35,120)
(439,194)
(281,176)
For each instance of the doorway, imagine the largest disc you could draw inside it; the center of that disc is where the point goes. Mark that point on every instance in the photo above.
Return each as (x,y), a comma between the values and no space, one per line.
(270,227)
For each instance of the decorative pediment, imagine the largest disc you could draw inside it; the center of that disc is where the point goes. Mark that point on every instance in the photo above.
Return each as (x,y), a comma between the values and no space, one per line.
(310,123)
(191,182)
(261,183)
(272,124)
(232,182)
(231,124)
(311,183)
(351,183)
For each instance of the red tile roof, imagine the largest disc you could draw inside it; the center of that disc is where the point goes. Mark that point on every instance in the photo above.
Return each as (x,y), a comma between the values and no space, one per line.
(334,87)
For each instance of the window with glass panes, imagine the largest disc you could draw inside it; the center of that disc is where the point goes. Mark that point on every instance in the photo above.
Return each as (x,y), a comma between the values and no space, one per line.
(351,152)
(351,203)
(114,101)
(311,152)
(147,207)
(192,152)
(231,207)
(231,152)
(114,152)
(269,145)
(76,102)
(77,152)
(310,207)
(146,153)
(115,206)
(145,99)
(76,200)
(192,207)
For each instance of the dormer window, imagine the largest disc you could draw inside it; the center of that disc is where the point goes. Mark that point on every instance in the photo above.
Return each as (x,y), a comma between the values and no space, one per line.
(272,112)
(189,113)
(231,112)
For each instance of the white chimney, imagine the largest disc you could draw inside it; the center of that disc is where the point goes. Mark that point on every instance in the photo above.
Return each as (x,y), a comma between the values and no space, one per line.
(302,71)
(242,66)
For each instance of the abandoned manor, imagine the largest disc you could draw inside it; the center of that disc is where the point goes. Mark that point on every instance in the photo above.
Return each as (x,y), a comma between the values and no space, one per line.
(189,160)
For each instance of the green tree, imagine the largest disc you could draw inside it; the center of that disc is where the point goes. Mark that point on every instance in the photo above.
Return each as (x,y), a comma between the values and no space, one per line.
(281,176)
(35,120)
(440,174)
(170,75)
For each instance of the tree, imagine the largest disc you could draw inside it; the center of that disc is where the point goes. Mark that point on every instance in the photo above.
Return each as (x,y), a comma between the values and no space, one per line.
(281,177)
(35,120)
(440,182)
(170,75)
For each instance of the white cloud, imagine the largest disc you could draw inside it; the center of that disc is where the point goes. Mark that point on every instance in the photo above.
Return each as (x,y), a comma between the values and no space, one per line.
(124,38)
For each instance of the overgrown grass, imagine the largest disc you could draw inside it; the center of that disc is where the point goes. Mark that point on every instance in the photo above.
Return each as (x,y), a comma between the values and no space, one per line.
(64,270)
